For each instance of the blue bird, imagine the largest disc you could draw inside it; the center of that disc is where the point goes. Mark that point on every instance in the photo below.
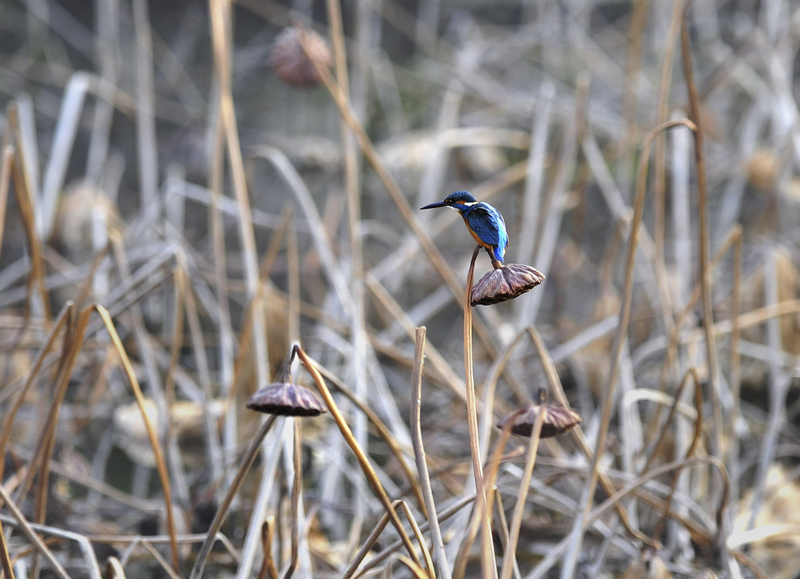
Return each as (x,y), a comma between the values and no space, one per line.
(483,221)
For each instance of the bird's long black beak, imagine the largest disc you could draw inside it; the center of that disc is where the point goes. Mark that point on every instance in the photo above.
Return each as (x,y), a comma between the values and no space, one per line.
(433,205)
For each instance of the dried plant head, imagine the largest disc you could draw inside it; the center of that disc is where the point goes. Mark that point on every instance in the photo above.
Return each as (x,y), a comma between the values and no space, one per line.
(505,283)
(556,421)
(286,399)
(290,61)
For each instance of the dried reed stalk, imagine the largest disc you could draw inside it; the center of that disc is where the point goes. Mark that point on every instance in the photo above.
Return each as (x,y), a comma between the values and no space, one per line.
(222,510)
(440,556)
(487,550)
(362,458)
(581,521)
(522,495)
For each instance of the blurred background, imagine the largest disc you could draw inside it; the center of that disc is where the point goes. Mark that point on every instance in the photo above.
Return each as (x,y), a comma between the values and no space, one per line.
(164,170)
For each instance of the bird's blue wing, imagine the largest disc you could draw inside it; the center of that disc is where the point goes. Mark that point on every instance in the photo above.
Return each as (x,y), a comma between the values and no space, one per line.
(488,224)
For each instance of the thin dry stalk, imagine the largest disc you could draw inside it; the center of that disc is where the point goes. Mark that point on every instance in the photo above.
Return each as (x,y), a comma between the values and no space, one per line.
(522,495)
(558,391)
(215,454)
(698,433)
(418,571)
(65,317)
(504,535)
(778,389)
(268,569)
(32,536)
(363,461)
(352,186)
(296,494)
(147,352)
(664,428)
(426,555)
(163,563)
(220,11)
(736,376)
(367,546)
(151,433)
(227,366)
(147,153)
(222,511)
(5,558)
(439,554)
(490,475)
(383,431)
(246,335)
(659,164)
(702,217)
(395,546)
(115,569)
(487,552)
(557,551)
(633,65)
(579,528)
(252,543)
(5,181)
(177,340)
(733,238)
(27,210)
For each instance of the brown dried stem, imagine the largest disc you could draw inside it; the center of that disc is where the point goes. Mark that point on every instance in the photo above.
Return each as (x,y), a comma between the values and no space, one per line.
(487,552)
(296,490)
(268,569)
(222,511)
(363,461)
(522,495)
(619,342)
(702,217)
(419,454)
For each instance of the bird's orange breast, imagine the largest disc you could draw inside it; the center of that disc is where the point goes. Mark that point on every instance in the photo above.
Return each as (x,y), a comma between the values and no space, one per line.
(474,235)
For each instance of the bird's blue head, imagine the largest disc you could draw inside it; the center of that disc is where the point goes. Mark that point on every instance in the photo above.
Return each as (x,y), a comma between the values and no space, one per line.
(457,200)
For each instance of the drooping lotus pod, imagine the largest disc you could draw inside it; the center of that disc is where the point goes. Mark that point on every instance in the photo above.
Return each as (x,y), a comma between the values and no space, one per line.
(505,283)
(286,399)
(556,421)
(290,61)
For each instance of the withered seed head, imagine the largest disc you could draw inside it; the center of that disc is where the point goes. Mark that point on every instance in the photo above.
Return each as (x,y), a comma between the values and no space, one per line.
(556,421)
(286,399)
(291,63)
(505,283)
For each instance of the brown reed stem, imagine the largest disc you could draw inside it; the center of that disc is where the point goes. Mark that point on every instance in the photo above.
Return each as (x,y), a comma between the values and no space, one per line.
(363,461)
(419,454)
(698,433)
(587,497)
(487,552)
(296,488)
(268,569)
(522,495)
(5,559)
(222,511)
(702,218)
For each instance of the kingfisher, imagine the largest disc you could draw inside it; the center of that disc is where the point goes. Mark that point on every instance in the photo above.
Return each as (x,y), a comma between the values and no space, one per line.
(483,221)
